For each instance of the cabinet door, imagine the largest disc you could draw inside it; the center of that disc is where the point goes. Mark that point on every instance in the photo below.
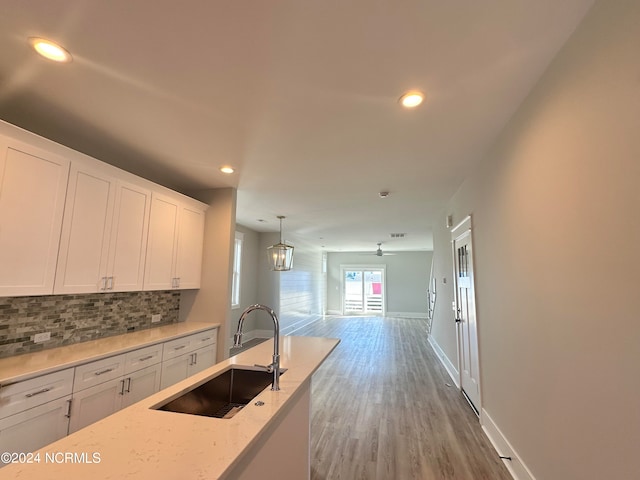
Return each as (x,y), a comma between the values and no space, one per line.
(95,403)
(189,250)
(128,238)
(161,244)
(202,358)
(34,428)
(141,384)
(175,370)
(33,185)
(86,230)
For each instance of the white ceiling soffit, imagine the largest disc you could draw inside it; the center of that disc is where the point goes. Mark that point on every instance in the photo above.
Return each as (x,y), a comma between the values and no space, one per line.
(299,96)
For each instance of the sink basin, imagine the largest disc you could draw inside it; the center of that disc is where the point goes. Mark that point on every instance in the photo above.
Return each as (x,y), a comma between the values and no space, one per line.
(222,396)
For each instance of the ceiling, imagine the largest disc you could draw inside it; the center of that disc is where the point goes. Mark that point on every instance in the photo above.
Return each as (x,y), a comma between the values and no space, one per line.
(300,96)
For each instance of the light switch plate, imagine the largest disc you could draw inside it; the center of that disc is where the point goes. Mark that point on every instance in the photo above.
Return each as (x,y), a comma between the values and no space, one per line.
(156,318)
(41,337)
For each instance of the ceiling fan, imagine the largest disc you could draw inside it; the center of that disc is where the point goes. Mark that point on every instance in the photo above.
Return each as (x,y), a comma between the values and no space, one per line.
(379,252)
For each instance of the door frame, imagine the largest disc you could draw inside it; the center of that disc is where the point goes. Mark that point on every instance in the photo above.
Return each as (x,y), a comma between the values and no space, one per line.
(461,229)
(364,267)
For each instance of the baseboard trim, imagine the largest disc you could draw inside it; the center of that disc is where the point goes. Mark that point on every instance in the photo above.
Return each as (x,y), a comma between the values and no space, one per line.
(515,466)
(446,363)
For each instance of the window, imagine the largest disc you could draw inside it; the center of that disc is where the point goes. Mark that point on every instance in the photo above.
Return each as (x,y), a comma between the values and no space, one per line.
(237,266)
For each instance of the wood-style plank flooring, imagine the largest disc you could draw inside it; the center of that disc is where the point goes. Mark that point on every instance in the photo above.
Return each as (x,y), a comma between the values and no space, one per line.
(382,408)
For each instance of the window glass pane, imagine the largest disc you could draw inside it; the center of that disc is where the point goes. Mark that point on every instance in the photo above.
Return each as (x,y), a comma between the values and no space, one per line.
(237,263)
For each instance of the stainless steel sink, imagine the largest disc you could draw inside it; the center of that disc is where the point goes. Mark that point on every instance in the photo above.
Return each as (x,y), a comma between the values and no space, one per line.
(222,396)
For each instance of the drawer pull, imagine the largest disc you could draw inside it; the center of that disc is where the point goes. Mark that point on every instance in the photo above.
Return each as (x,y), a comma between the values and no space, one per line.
(33,394)
(68,414)
(205,339)
(148,357)
(180,347)
(104,371)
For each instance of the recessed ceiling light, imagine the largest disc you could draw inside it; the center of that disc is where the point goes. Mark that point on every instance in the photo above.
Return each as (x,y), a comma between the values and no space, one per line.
(227,169)
(50,50)
(412,99)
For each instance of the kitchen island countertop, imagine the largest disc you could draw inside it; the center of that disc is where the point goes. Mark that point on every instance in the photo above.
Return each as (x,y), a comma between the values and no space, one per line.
(140,442)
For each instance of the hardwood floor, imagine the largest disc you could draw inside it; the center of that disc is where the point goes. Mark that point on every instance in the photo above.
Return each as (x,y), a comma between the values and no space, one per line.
(382,408)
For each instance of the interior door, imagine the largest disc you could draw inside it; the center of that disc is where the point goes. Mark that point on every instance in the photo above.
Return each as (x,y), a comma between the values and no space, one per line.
(466,314)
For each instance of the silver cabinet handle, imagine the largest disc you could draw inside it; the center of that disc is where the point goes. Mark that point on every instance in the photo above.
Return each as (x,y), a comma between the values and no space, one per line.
(195,358)
(121,387)
(180,347)
(104,371)
(110,283)
(144,359)
(205,339)
(68,414)
(128,389)
(33,394)
(103,284)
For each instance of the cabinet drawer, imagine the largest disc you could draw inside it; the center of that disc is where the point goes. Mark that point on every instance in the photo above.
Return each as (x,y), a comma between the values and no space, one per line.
(143,357)
(176,347)
(37,391)
(98,372)
(203,339)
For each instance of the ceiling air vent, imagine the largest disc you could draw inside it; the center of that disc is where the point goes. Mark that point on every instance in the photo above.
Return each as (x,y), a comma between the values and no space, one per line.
(397,235)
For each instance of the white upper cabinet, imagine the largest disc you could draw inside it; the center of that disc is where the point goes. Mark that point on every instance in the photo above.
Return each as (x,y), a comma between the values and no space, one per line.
(174,247)
(103,234)
(161,244)
(189,251)
(128,246)
(85,232)
(33,185)
(78,225)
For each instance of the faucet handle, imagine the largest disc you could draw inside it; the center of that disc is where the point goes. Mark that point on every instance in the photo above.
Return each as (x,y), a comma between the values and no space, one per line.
(237,340)
(268,368)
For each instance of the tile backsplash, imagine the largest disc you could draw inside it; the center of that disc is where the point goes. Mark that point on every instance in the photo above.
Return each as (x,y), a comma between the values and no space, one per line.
(78,318)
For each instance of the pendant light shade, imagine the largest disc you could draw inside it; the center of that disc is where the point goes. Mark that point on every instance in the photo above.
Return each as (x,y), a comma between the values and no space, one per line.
(280,255)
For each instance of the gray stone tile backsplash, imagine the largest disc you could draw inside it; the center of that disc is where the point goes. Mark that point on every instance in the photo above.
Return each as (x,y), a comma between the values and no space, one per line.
(78,318)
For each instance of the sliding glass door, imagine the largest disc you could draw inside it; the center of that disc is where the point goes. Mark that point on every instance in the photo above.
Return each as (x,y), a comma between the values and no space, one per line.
(362,290)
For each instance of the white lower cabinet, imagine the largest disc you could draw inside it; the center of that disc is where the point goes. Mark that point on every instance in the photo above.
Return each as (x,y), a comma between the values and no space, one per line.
(41,410)
(187,356)
(35,412)
(183,366)
(100,401)
(95,403)
(141,384)
(34,428)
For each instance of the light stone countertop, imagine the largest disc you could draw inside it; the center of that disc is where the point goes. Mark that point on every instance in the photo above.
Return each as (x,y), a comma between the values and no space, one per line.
(28,365)
(141,443)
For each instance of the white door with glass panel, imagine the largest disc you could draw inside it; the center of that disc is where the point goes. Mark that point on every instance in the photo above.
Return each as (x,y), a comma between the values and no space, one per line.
(363,291)
(469,359)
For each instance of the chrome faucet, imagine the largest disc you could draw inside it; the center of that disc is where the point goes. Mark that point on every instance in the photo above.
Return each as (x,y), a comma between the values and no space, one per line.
(275,365)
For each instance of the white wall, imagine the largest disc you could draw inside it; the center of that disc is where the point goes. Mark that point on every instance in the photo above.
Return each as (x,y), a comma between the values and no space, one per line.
(296,295)
(248,277)
(407,280)
(212,302)
(556,231)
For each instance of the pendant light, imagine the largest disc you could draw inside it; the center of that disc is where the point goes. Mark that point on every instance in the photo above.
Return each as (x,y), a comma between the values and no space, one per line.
(280,255)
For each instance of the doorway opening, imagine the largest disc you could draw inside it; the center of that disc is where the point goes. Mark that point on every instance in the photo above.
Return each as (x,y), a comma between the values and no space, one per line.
(363,290)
